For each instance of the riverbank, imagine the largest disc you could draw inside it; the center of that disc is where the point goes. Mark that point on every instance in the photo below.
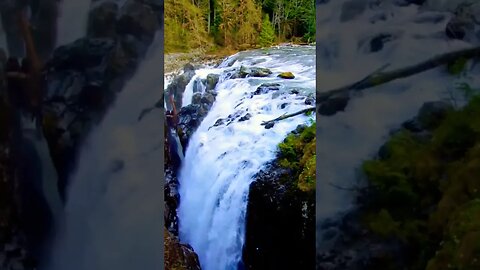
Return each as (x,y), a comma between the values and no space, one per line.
(175,61)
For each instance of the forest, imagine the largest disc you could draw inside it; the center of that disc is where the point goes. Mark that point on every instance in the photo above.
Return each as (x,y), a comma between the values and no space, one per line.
(237,24)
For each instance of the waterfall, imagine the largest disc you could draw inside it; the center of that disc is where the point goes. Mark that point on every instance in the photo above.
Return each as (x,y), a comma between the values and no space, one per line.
(72,21)
(49,174)
(113,216)
(348,51)
(221,161)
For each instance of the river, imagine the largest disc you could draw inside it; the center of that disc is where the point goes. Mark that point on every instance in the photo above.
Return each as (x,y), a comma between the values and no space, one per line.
(221,161)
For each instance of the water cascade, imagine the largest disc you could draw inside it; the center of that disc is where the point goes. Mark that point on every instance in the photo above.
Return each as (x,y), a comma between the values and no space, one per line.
(221,160)
(113,216)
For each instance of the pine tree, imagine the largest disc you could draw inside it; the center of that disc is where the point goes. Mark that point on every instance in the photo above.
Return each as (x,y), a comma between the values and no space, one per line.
(267,35)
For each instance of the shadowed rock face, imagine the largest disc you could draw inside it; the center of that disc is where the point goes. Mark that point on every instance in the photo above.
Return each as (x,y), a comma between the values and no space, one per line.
(280,231)
(24,214)
(84,77)
(179,256)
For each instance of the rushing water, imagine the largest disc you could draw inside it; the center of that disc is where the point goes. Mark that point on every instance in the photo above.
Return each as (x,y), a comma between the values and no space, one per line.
(344,56)
(72,21)
(220,162)
(113,216)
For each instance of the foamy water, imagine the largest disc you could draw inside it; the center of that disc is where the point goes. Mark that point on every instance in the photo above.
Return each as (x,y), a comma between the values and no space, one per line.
(220,162)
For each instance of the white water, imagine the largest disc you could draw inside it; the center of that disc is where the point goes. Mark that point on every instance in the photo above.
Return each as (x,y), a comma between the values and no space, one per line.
(72,21)
(49,174)
(220,162)
(350,137)
(199,74)
(113,214)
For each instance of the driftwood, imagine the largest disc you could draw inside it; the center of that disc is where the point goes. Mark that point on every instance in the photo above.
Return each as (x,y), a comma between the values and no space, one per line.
(284,116)
(379,77)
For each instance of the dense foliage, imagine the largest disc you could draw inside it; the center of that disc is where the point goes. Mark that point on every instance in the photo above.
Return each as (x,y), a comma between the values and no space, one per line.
(297,152)
(236,23)
(427,192)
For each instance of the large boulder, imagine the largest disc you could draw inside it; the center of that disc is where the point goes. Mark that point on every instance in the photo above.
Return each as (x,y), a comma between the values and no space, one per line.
(244,72)
(102,20)
(333,104)
(430,115)
(280,223)
(177,87)
(138,19)
(212,80)
(179,256)
(191,116)
(286,75)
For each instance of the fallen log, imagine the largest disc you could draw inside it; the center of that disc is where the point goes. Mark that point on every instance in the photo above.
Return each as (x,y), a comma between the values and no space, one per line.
(285,116)
(379,77)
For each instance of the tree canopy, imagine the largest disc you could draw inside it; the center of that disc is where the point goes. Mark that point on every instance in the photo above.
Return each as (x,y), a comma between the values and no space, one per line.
(235,23)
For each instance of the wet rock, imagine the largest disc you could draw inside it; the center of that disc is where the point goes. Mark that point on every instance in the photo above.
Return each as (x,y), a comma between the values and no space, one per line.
(198,85)
(286,75)
(172,200)
(355,248)
(178,85)
(219,122)
(333,105)
(352,9)
(208,98)
(457,28)
(378,42)
(139,20)
(431,114)
(178,255)
(245,117)
(267,87)
(244,72)
(82,54)
(102,20)
(270,125)
(280,223)
(188,67)
(299,129)
(462,25)
(310,101)
(197,98)
(259,72)
(212,80)
(191,116)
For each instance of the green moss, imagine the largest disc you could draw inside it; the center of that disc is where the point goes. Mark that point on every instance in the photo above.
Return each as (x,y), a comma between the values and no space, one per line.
(383,224)
(426,192)
(297,153)
(457,67)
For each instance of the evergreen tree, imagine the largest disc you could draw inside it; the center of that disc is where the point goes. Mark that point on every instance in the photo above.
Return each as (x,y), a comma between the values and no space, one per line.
(267,35)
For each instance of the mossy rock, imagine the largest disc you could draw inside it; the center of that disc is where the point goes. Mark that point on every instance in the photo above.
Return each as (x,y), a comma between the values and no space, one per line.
(286,75)
(297,153)
(426,191)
